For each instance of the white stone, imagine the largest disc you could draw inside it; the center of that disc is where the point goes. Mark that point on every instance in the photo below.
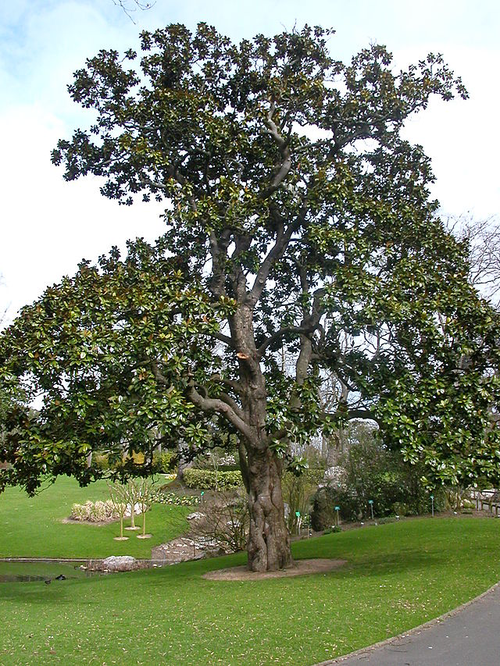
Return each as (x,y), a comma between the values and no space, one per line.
(196,515)
(119,563)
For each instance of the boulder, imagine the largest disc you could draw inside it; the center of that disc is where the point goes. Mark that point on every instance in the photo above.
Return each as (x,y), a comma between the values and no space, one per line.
(119,563)
(196,515)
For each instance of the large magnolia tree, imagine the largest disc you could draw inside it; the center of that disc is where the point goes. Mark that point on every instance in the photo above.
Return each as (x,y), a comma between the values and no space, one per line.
(298,222)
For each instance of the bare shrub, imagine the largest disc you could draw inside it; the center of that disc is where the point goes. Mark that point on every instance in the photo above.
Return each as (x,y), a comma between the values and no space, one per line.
(224,522)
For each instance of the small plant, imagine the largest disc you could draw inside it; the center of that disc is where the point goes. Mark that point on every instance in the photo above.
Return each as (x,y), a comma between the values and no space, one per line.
(132,494)
(401,509)
(165,462)
(101,461)
(118,494)
(334,529)
(145,495)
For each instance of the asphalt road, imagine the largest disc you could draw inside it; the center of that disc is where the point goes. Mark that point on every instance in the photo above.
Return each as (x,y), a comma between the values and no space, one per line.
(467,637)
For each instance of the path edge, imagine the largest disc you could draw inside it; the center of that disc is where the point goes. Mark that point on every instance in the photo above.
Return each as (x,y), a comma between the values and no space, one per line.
(410,632)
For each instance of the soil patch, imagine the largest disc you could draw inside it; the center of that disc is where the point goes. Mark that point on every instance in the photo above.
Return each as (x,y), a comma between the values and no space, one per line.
(299,568)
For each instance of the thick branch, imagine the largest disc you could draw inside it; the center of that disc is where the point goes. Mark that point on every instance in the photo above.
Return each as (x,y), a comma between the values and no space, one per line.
(279,334)
(230,383)
(159,376)
(232,403)
(224,338)
(310,322)
(217,405)
(286,160)
(218,250)
(361,414)
(283,237)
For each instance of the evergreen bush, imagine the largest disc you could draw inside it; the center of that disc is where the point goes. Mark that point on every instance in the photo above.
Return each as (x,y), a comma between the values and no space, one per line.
(206,479)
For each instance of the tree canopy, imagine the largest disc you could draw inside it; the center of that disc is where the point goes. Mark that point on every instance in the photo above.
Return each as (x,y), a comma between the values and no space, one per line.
(298,221)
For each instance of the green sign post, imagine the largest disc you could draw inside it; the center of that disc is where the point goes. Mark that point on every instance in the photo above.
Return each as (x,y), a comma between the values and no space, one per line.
(337,509)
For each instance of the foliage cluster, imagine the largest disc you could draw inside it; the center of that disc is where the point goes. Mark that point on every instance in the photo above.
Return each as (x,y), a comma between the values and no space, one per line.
(334,529)
(208,479)
(165,462)
(372,472)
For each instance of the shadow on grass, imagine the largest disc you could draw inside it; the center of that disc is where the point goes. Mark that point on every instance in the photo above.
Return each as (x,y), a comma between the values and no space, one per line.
(57,593)
(383,564)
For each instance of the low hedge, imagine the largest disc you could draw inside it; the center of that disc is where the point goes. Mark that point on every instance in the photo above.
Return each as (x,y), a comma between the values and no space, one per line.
(209,479)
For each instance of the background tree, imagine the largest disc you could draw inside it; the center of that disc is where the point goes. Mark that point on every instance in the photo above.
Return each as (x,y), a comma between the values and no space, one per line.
(483,238)
(298,218)
(131,6)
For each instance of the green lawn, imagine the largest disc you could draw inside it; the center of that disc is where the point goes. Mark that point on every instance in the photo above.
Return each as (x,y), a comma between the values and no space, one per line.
(398,576)
(32,526)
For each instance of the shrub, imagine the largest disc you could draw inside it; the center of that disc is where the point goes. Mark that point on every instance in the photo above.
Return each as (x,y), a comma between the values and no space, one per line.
(297,493)
(401,509)
(372,472)
(206,479)
(323,513)
(101,461)
(334,529)
(224,522)
(165,462)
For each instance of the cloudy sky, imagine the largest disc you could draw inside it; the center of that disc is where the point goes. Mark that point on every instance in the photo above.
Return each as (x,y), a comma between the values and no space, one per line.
(47,225)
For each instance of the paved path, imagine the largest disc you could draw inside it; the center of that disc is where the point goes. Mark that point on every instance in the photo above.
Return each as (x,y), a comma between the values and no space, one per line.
(467,637)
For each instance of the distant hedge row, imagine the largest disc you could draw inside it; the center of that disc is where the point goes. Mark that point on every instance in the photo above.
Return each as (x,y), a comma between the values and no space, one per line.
(209,479)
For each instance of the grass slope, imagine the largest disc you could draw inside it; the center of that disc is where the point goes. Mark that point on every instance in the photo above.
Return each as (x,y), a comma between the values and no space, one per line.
(398,576)
(33,527)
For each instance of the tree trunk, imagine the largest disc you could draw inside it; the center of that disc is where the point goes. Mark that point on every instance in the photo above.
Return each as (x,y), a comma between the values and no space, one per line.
(268,542)
(183,463)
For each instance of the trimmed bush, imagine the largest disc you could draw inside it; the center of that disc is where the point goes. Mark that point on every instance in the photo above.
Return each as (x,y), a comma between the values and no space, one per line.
(207,479)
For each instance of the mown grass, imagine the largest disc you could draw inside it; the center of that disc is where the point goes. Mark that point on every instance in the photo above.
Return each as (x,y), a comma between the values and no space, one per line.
(398,576)
(34,527)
